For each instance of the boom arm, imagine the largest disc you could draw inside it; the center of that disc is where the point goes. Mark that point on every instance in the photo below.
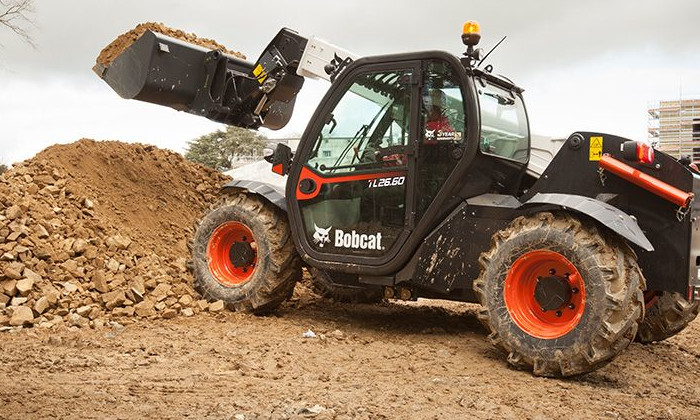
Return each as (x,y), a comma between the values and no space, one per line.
(170,72)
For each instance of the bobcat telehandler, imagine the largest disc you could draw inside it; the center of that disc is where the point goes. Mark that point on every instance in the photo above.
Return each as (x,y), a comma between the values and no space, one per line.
(414,179)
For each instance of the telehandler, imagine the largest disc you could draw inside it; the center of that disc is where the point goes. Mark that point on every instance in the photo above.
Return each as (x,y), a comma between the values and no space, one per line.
(415,178)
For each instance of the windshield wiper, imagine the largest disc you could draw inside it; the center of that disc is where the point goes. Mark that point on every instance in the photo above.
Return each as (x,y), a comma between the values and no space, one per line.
(502,100)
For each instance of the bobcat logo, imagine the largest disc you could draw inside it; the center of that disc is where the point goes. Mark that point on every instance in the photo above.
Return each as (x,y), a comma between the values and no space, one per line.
(321,235)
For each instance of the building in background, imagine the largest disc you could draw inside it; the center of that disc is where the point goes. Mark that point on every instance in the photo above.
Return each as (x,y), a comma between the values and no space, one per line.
(674,127)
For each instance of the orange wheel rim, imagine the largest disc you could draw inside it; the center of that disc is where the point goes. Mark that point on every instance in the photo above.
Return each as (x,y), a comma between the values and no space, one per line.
(232,254)
(520,294)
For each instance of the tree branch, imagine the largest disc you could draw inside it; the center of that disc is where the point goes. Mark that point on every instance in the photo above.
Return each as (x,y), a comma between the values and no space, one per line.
(14,14)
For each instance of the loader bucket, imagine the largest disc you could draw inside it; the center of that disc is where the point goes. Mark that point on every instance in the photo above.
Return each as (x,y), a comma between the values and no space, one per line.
(162,70)
(209,83)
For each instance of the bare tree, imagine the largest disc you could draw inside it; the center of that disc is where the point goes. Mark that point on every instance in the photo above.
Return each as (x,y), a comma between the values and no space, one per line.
(14,14)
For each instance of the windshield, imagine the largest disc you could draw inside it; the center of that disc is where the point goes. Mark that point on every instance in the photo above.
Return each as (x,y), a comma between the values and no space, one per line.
(504,128)
(372,116)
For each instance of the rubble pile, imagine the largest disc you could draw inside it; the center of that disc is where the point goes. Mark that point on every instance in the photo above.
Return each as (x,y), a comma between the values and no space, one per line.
(96,232)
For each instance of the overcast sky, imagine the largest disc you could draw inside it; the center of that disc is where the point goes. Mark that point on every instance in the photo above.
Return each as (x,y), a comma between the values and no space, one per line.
(585,65)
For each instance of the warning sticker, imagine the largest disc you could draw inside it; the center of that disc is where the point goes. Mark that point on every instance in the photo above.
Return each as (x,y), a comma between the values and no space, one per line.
(595,152)
(260,73)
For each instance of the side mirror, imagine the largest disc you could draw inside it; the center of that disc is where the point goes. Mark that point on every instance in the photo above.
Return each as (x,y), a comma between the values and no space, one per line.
(280,158)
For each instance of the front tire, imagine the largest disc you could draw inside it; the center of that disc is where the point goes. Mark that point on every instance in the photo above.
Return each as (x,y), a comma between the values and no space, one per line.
(667,314)
(243,254)
(558,296)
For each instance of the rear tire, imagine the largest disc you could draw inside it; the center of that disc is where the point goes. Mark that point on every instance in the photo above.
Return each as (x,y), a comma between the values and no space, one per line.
(578,339)
(666,315)
(323,284)
(249,274)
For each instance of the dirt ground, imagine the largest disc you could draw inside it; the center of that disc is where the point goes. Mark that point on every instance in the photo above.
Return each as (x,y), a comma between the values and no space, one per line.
(393,360)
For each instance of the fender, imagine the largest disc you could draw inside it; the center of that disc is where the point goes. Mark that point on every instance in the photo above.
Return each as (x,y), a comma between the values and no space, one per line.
(611,217)
(269,192)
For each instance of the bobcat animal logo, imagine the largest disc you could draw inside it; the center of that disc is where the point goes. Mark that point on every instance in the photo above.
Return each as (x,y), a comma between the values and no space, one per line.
(321,236)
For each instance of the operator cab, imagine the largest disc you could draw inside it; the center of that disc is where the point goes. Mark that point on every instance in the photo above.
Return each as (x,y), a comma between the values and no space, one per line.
(397,142)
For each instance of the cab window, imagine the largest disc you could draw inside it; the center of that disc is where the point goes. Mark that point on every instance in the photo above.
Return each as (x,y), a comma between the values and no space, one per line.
(367,127)
(443,131)
(504,128)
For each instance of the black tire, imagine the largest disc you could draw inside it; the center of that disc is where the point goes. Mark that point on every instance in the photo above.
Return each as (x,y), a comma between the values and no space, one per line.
(665,317)
(612,302)
(276,269)
(323,284)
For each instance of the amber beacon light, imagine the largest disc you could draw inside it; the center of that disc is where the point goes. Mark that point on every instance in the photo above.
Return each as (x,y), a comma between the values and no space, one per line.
(471,33)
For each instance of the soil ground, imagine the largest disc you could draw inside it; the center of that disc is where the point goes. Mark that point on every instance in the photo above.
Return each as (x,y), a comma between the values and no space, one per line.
(392,360)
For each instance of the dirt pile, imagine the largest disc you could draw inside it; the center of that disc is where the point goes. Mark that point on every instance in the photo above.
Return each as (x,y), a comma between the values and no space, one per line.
(116,47)
(96,231)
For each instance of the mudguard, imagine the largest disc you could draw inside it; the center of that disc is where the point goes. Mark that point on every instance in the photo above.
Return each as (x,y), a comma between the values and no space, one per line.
(611,217)
(272,193)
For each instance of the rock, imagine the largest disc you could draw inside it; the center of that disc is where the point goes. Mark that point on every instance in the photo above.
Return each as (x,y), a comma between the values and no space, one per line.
(186,300)
(138,287)
(187,312)
(41,305)
(79,246)
(76,320)
(217,306)
(43,180)
(20,249)
(145,309)
(4,299)
(308,334)
(9,287)
(94,313)
(24,286)
(161,305)
(113,265)
(16,301)
(90,252)
(22,231)
(83,310)
(169,313)
(13,212)
(7,257)
(71,266)
(14,271)
(316,409)
(161,291)
(114,299)
(118,242)
(42,252)
(29,274)
(70,287)
(53,297)
(99,281)
(202,304)
(88,203)
(21,316)
(41,232)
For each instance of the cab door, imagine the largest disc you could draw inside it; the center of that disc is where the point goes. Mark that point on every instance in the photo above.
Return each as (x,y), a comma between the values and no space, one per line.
(349,184)
(374,167)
